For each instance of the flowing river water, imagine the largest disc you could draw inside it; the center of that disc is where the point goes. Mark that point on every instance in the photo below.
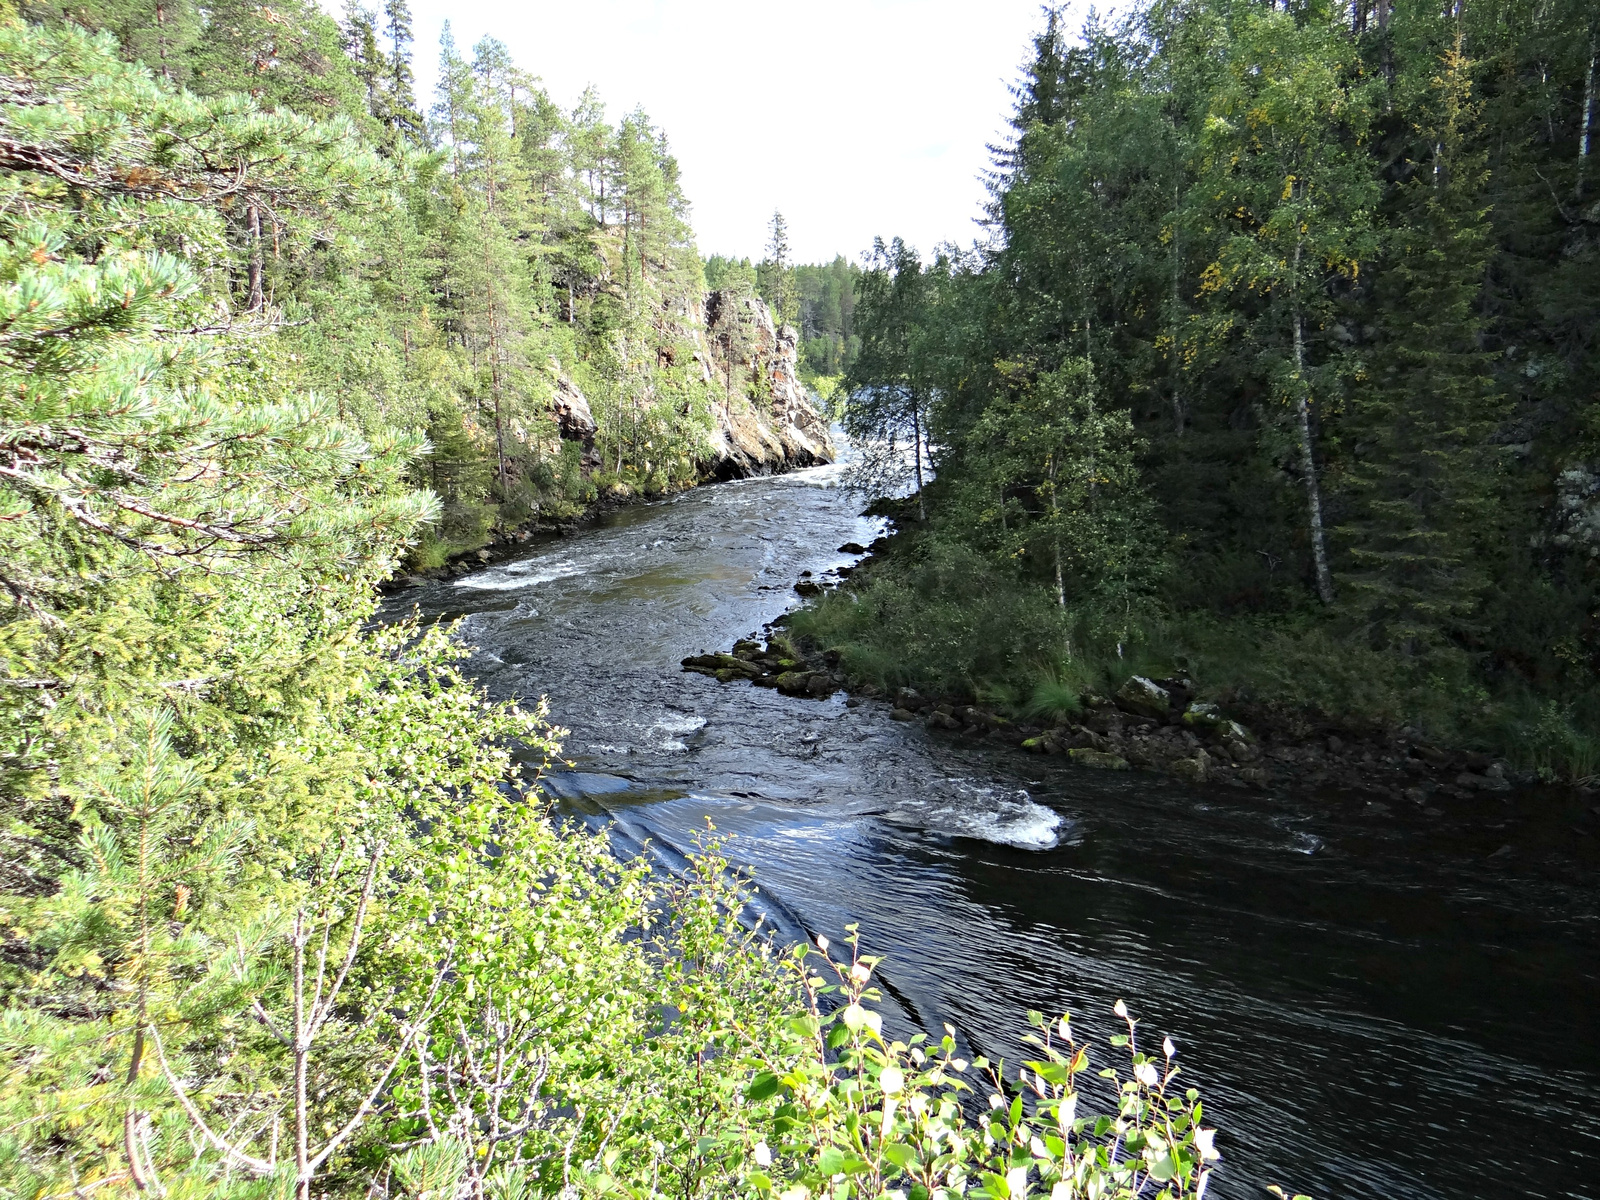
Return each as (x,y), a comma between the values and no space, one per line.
(1373,1003)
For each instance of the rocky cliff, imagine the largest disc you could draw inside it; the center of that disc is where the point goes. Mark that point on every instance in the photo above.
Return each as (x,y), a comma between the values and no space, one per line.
(762,419)
(771,425)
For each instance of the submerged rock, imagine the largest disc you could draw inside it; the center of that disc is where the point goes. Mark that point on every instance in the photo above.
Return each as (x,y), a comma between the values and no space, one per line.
(1098,759)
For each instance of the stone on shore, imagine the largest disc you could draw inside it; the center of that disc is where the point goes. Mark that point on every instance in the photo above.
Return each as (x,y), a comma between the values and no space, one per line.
(1144,698)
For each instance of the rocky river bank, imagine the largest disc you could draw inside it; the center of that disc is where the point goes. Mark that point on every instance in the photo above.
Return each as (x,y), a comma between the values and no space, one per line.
(1147,724)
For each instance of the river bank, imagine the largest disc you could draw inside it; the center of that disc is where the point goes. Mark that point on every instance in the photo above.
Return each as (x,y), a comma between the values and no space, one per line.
(1147,724)
(1150,725)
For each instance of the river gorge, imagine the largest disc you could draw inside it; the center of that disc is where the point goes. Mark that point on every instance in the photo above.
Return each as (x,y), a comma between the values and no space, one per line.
(1373,1003)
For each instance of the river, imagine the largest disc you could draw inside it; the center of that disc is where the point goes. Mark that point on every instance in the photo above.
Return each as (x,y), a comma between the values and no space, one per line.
(1373,1003)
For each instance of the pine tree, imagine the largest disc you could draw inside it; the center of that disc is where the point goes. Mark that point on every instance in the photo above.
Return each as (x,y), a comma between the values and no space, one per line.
(777,274)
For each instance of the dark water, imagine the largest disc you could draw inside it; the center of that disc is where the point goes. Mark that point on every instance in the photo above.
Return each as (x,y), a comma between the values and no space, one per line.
(1373,1004)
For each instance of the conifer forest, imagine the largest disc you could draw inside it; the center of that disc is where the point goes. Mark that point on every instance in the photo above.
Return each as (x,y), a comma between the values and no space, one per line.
(1270,385)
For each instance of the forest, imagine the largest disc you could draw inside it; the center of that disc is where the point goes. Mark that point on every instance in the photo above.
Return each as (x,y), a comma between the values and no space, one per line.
(1277,370)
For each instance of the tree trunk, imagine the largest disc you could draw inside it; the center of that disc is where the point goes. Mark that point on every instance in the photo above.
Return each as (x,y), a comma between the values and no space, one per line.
(253,232)
(161,39)
(1177,362)
(1586,120)
(916,453)
(1055,514)
(499,426)
(302,1054)
(1308,464)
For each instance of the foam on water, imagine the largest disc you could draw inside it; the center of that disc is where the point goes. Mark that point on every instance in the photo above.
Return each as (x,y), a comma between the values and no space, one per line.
(1027,826)
(512,576)
(1004,816)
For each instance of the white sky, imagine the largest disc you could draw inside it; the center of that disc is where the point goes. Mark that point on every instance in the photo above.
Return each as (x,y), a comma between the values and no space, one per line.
(855,118)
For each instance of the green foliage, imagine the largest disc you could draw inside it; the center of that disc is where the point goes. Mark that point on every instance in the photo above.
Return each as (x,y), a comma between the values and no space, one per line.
(860,1114)
(1310,272)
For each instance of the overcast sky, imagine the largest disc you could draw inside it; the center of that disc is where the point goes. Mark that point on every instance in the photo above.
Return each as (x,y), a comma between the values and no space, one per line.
(855,118)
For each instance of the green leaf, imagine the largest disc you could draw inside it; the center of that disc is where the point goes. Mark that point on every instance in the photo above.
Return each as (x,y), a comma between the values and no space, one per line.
(901,1155)
(1050,1072)
(762,1086)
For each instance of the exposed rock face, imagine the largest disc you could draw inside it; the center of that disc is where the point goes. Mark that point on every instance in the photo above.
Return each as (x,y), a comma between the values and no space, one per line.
(763,418)
(780,431)
(1577,509)
(573,418)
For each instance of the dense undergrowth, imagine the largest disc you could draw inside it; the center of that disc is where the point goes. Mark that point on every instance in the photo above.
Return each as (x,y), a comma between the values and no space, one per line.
(943,619)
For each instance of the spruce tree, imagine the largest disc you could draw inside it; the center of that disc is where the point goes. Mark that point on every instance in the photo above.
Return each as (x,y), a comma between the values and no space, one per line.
(1427,474)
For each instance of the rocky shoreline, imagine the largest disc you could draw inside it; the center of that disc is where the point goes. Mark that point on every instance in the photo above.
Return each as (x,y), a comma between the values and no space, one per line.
(1149,724)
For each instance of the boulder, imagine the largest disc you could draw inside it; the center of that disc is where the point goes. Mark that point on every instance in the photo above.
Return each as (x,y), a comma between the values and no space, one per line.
(1190,770)
(1232,731)
(902,714)
(574,420)
(1104,721)
(1242,752)
(808,587)
(942,720)
(1097,759)
(794,683)
(1202,715)
(852,548)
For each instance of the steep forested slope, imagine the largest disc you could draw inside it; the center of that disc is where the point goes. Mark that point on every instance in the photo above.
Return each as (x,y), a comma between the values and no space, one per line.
(521,285)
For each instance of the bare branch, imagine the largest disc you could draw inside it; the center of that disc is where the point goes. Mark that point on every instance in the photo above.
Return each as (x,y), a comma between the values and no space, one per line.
(355,941)
(371,1099)
(260,1168)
